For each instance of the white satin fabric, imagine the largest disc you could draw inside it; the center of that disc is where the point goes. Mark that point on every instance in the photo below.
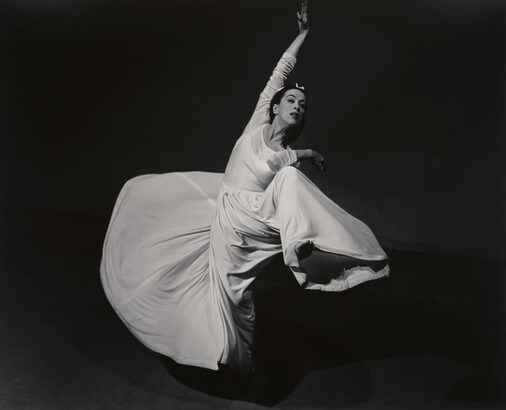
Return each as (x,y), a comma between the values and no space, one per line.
(183,248)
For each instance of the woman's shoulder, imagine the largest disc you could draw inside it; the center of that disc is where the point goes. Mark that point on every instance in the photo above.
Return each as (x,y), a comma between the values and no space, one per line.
(257,138)
(252,142)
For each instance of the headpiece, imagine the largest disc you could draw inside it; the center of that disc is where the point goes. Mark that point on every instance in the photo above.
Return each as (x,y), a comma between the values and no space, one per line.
(293,85)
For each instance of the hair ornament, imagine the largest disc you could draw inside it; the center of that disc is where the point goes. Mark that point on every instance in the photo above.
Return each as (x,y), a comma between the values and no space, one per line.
(299,87)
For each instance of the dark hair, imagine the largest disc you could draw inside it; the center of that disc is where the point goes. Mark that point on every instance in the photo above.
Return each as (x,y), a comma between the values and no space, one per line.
(276,99)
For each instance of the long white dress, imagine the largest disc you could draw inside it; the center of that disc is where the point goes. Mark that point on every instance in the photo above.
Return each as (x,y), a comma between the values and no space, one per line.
(182,249)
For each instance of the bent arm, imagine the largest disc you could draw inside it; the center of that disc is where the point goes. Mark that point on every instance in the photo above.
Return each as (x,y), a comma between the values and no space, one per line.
(315,157)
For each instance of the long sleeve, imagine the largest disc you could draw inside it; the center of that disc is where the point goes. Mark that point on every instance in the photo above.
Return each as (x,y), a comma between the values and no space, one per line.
(282,159)
(276,81)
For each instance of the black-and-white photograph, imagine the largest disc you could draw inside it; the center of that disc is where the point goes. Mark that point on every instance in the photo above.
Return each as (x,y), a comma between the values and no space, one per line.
(249,204)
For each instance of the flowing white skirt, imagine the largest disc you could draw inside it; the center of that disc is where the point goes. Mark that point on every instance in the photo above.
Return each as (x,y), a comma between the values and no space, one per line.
(182,249)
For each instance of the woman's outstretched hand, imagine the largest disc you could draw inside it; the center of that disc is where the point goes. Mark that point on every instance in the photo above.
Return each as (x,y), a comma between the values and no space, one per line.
(293,49)
(302,18)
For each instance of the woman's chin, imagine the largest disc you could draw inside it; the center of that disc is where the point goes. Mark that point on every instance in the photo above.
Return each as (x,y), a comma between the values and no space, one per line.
(294,123)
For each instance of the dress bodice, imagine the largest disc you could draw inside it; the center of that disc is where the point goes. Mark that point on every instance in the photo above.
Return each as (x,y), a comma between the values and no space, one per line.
(252,164)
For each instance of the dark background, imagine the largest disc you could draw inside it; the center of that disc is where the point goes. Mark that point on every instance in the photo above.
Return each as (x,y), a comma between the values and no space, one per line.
(407,103)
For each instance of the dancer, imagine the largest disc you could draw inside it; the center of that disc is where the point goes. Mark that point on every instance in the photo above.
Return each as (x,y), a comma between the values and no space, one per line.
(183,249)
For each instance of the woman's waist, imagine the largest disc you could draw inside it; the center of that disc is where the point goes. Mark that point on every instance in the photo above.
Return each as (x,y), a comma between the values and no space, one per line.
(245,187)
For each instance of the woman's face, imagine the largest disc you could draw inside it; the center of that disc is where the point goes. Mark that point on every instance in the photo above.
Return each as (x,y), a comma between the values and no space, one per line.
(292,107)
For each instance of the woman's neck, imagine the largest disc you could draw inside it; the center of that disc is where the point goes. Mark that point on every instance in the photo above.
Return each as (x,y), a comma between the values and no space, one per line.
(276,137)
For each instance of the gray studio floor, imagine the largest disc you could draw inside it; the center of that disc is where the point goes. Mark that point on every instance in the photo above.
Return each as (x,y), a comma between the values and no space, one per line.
(429,337)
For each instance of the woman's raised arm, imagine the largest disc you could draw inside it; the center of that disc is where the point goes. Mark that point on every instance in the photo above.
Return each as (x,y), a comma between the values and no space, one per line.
(283,68)
(303,30)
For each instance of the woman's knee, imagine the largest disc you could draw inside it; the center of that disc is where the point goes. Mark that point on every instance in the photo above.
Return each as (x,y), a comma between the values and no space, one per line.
(289,171)
(288,176)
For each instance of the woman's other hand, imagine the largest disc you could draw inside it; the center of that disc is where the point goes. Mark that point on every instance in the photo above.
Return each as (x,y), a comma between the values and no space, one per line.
(302,18)
(315,157)
(319,162)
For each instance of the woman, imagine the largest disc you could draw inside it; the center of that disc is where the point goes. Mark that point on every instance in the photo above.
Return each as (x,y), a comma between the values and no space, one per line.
(182,249)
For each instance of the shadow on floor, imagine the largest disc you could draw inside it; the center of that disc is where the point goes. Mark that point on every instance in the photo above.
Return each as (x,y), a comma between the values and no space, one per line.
(287,354)
(300,331)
